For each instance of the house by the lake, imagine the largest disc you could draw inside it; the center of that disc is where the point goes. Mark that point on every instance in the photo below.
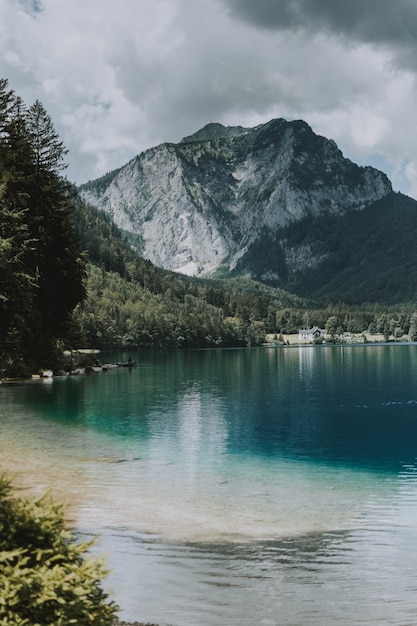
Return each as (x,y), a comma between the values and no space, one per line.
(312,334)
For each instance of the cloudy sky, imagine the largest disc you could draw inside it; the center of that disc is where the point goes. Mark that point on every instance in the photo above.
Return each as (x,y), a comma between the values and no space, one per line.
(121,76)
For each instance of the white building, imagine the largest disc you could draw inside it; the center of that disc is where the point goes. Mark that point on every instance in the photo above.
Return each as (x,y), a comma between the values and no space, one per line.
(312,334)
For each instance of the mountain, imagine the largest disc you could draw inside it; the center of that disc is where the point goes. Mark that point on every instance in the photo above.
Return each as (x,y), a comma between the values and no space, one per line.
(258,202)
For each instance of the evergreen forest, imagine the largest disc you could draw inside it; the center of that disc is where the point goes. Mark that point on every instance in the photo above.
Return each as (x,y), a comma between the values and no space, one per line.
(41,269)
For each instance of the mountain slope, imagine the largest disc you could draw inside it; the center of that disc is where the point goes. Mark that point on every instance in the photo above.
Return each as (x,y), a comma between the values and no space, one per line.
(367,256)
(132,303)
(217,203)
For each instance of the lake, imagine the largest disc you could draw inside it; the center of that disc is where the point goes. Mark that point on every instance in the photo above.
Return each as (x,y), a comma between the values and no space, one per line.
(267,486)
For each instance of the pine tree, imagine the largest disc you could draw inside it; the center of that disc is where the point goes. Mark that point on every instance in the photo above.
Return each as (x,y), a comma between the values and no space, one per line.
(7,105)
(59,270)
(41,271)
(16,281)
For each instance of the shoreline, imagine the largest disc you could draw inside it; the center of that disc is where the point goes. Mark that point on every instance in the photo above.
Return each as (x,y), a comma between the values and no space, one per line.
(356,339)
(48,374)
(290,341)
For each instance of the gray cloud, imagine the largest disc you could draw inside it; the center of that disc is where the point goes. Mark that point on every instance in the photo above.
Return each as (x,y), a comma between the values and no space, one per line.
(377,21)
(118,78)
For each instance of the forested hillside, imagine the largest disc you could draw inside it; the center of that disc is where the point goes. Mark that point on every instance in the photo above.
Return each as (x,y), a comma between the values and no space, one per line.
(133,304)
(363,256)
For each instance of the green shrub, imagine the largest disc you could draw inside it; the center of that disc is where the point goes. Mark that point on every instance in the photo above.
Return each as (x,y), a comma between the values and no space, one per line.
(47,575)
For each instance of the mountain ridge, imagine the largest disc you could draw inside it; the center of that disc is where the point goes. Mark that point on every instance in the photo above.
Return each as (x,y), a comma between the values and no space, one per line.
(275,203)
(197,207)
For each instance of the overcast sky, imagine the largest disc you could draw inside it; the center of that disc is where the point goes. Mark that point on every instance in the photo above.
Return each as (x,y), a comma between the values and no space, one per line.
(121,76)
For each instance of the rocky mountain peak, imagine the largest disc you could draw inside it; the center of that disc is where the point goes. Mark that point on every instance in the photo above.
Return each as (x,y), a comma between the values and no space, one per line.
(207,204)
(214,130)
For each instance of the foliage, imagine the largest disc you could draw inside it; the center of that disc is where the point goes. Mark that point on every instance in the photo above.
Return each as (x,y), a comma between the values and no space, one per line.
(367,255)
(119,312)
(364,255)
(413,327)
(133,304)
(101,183)
(41,270)
(332,326)
(46,574)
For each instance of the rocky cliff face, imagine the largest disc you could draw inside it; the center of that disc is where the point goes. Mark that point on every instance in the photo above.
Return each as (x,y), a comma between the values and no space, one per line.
(218,201)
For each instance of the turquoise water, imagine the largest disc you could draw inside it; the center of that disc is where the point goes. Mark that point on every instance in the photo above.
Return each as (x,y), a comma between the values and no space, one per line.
(259,486)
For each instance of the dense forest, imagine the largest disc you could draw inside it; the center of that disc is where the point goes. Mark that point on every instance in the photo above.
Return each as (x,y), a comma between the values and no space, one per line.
(41,269)
(368,255)
(69,278)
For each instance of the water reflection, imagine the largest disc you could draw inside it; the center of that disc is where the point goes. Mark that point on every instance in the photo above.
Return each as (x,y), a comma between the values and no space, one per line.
(353,406)
(202,429)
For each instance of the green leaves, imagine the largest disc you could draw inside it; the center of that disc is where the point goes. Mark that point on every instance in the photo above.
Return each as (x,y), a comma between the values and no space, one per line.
(47,575)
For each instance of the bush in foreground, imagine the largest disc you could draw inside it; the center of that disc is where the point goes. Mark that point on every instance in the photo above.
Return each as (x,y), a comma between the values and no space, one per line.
(46,574)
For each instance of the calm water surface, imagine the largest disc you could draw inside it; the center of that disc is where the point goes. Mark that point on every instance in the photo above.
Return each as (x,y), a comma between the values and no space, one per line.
(264,486)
